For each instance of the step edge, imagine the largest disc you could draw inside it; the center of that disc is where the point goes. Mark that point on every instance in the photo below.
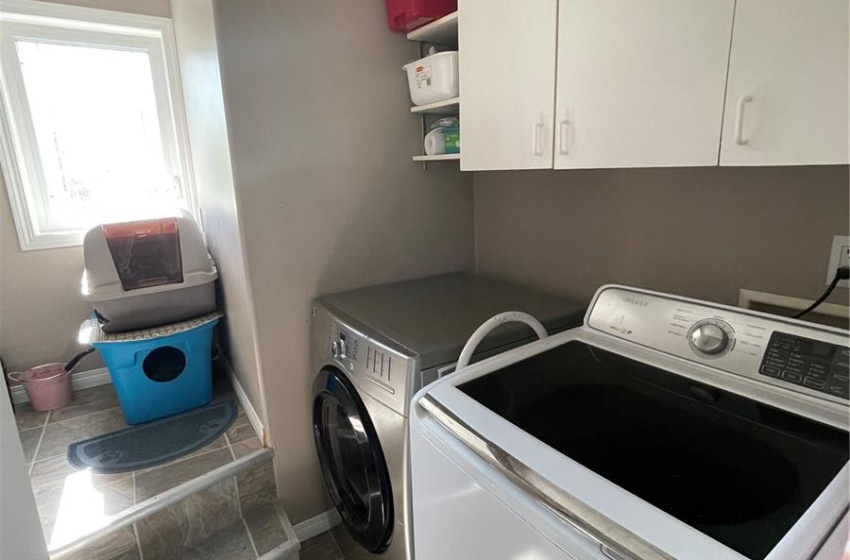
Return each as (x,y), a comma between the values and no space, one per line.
(165,499)
(283,517)
(318,524)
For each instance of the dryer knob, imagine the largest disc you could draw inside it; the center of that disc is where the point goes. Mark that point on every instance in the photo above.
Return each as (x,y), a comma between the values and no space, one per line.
(335,349)
(709,338)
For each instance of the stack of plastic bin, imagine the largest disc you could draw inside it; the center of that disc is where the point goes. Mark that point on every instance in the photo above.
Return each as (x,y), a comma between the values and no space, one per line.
(151,285)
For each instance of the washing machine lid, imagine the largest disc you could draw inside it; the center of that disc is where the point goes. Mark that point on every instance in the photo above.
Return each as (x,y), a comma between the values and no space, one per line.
(651,454)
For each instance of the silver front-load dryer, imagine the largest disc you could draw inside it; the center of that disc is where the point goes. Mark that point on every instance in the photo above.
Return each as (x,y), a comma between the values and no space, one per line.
(372,350)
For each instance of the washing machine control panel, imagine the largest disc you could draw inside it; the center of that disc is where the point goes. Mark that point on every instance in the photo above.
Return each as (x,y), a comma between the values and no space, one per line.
(711,337)
(808,363)
(802,358)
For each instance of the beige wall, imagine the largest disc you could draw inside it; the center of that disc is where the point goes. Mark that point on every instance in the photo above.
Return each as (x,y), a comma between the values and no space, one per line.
(194,27)
(321,137)
(704,232)
(40,304)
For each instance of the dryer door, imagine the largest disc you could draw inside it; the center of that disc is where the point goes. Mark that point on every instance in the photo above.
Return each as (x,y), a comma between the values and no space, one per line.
(353,464)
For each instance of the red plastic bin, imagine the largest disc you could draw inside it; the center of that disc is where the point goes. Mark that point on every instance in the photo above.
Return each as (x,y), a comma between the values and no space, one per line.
(407,15)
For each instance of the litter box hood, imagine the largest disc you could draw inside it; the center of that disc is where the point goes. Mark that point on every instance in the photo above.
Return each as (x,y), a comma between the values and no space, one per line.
(147,273)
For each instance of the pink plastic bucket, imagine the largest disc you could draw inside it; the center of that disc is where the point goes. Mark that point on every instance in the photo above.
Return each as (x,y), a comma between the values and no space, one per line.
(47,386)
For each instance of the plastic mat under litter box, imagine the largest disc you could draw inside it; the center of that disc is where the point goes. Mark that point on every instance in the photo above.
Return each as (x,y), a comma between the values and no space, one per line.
(91,331)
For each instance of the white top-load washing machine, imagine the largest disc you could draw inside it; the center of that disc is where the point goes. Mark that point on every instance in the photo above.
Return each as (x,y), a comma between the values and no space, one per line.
(372,350)
(662,428)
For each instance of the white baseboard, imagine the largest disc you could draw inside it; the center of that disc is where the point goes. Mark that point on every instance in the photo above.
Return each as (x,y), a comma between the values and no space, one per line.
(242,396)
(315,526)
(97,377)
(79,380)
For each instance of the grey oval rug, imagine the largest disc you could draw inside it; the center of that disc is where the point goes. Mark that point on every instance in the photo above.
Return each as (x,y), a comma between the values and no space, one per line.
(154,443)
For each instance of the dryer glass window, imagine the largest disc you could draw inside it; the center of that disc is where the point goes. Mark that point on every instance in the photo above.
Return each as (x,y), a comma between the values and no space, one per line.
(352,460)
(349,466)
(733,468)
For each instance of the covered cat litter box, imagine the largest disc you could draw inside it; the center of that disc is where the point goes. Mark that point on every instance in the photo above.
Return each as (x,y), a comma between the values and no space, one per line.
(160,371)
(147,273)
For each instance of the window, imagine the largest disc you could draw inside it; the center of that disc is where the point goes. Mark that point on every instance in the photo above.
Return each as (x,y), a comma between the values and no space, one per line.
(91,129)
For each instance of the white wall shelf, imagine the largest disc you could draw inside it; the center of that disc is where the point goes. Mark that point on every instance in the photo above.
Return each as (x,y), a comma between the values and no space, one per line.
(441,157)
(444,107)
(442,31)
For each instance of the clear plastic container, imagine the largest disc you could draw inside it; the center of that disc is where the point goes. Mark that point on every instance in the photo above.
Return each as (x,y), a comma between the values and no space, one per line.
(433,78)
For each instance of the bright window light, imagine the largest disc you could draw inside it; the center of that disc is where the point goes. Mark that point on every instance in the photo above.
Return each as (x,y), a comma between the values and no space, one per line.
(98,134)
(91,126)
(81,510)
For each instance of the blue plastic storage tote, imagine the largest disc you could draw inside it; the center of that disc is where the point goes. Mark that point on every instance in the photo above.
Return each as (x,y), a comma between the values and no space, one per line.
(161,371)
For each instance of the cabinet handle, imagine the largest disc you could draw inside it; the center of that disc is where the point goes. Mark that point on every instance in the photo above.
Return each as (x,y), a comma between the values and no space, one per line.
(563,149)
(539,140)
(739,121)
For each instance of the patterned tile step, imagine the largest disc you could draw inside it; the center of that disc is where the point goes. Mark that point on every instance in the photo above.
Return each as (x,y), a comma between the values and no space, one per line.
(235,518)
(74,503)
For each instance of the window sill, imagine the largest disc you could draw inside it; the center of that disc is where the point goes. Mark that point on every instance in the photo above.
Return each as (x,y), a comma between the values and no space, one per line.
(50,240)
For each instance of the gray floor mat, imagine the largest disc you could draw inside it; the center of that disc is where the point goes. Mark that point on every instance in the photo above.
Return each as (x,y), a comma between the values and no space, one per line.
(154,443)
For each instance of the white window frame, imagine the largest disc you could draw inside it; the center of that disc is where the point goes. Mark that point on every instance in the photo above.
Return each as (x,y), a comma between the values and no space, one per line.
(19,156)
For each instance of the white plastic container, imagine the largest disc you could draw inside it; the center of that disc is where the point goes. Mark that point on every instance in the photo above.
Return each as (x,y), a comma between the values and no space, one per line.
(149,273)
(433,78)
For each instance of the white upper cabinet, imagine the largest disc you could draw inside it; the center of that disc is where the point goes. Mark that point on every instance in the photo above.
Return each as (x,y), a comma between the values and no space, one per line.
(653,83)
(641,83)
(787,96)
(507,83)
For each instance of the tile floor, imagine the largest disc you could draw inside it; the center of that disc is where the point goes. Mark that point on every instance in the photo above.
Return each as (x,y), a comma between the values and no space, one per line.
(71,502)
(235,543)
(65,496)
(322,547)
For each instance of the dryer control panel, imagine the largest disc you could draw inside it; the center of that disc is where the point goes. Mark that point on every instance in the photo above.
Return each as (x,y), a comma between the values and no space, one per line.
(378,369)
(790,354)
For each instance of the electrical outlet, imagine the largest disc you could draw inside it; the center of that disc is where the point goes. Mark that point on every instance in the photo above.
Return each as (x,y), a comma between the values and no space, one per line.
(840,256)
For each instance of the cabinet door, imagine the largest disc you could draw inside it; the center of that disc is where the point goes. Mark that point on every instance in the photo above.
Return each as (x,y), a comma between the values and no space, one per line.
(507,83)
(787,97)
(641,82)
